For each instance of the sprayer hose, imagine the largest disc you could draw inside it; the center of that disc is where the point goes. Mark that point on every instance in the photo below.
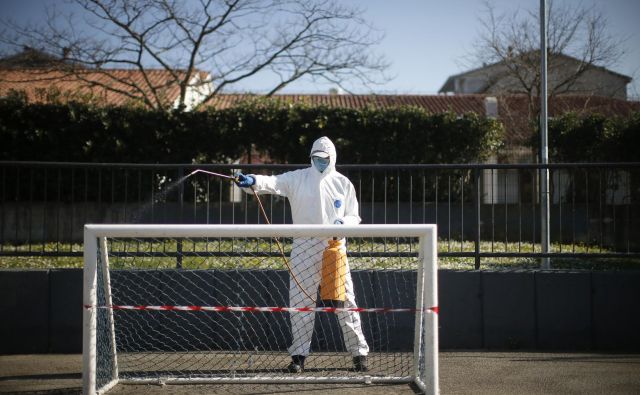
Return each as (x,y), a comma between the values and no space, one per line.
(284,258)
(266,218)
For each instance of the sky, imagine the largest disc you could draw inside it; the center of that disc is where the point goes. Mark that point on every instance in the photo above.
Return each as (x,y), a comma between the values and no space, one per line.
(426,41)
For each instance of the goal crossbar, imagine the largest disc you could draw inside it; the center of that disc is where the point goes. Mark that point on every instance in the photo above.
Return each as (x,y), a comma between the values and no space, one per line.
(425,351)
(260,230)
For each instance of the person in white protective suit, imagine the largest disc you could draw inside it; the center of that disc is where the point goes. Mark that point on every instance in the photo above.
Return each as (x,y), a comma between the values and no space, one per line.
(317,195)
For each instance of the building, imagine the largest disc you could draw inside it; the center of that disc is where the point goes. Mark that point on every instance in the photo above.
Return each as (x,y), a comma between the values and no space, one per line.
(42,78)
(566,75)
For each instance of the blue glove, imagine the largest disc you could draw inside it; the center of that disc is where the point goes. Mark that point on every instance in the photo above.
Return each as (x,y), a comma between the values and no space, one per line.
(245,181)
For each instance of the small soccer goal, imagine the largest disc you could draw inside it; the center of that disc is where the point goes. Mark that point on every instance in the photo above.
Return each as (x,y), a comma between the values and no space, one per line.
(201,304)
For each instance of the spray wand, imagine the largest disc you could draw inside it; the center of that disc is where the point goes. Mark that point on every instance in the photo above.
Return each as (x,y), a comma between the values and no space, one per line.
(266,218)
(212,173)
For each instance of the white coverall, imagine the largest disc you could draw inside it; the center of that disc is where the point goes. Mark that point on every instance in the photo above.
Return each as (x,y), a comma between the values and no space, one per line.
(316,198)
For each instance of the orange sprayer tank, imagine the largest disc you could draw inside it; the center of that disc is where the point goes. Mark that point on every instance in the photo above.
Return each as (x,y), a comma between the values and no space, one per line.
(334,270)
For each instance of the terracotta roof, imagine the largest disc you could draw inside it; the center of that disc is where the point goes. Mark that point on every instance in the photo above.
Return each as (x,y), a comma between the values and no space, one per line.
(458,104)
(41,85)
(593,104)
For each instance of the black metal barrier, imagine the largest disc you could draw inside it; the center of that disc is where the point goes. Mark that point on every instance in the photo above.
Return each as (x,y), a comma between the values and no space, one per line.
(41,311)
(595,210)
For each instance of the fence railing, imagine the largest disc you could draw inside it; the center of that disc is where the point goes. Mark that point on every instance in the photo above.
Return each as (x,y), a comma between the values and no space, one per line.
(482,210)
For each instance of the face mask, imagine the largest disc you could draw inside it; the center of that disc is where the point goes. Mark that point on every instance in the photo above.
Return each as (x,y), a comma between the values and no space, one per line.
(320,163)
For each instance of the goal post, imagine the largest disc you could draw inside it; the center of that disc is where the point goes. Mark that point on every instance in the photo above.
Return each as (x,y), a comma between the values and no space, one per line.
(230,303)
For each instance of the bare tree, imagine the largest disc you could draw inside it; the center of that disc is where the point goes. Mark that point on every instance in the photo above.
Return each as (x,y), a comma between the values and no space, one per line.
(578,41)
(230,40)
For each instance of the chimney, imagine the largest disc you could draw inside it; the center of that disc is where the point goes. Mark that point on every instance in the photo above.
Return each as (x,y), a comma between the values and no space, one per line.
(491,107)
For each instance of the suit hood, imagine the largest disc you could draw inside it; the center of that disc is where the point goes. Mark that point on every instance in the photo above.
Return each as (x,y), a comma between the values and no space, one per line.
(325,145)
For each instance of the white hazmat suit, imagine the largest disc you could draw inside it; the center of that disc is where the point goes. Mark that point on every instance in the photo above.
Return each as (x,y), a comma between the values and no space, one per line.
(316,198)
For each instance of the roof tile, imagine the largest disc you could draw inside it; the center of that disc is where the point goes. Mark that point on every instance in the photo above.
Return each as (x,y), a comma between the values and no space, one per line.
(458,104)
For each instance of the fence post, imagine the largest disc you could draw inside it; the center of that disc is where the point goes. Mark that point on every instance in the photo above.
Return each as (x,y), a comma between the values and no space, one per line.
(478,197)
(181,203)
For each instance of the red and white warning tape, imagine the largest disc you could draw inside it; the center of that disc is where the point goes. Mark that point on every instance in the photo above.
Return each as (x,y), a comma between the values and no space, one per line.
(245,309)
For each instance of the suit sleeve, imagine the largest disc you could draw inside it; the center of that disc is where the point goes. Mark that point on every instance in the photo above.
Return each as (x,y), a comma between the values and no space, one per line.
(351,211)
(275,185)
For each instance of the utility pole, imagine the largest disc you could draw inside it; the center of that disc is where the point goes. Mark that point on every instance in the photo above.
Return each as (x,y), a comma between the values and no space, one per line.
(544,145)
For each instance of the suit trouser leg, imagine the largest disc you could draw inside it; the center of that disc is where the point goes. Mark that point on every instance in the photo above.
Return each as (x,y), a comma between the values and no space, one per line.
(306,261)
(350,323)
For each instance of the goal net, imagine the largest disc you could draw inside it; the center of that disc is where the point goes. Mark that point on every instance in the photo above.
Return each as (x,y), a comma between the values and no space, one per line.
(212,304)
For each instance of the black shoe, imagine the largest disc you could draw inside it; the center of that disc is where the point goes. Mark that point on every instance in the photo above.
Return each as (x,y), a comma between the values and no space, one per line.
(360,364)
(297,364)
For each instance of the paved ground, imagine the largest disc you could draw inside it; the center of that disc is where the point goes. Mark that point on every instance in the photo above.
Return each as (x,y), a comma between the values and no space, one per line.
(460,373)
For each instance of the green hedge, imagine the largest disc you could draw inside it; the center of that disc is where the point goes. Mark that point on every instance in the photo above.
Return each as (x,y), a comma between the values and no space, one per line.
(594,138)
(86,133)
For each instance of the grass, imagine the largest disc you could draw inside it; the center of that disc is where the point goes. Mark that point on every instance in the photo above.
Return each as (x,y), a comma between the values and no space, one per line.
(532,263)
(199,258)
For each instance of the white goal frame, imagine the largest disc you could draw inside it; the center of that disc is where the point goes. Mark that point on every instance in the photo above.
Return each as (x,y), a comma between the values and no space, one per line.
(426,320)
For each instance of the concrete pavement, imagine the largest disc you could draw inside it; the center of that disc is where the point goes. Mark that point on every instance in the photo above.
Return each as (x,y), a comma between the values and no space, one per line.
(460,373)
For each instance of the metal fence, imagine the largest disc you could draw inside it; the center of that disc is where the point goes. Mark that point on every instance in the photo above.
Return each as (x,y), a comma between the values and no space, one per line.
(482,211)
